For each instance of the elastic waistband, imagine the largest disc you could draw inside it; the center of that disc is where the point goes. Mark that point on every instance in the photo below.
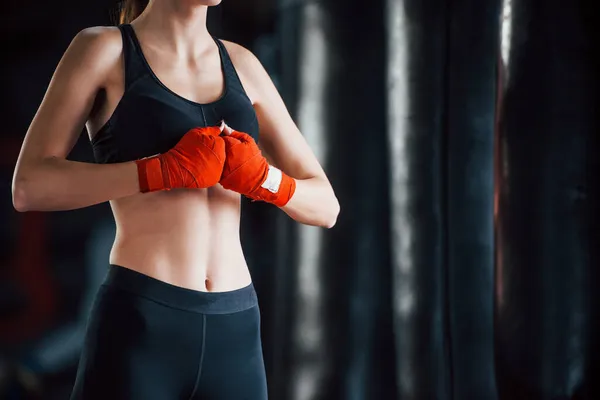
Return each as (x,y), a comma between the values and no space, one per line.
(177,297)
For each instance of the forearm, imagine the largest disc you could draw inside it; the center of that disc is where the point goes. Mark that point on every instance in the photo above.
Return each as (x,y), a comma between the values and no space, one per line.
(313,203)
(55,184)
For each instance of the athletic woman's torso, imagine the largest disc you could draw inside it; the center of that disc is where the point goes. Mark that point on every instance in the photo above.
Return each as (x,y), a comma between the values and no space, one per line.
(188,238)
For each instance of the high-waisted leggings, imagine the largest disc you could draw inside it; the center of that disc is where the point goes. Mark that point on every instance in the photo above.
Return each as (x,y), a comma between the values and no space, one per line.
(147,339)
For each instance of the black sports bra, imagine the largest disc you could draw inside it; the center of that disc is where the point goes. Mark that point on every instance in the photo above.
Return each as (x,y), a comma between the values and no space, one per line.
(150,118)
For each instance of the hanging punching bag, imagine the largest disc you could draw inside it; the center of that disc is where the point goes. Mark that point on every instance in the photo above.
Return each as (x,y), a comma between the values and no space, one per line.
(546,128)
(417,47)
(473,42)
(333,59)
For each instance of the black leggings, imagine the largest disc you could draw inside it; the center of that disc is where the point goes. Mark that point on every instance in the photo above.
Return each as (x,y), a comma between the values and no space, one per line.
(147,339)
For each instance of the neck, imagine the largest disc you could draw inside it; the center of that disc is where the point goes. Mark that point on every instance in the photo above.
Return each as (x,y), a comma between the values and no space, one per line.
(175,23)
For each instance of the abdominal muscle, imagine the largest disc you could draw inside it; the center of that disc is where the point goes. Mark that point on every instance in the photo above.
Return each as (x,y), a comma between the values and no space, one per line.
(185,237)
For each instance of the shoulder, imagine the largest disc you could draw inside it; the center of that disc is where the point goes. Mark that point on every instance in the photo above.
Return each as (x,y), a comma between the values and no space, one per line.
(253,75)
(99,38)
(238,53)
(96,46)
(244,60)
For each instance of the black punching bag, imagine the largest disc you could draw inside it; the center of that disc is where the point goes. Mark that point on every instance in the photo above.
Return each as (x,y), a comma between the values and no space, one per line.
(473,41)
(333,69)
(546,130)
(442,82)
(417,47)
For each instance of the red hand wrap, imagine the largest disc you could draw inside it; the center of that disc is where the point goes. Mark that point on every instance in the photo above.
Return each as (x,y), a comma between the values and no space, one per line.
(196,161)
(245,170)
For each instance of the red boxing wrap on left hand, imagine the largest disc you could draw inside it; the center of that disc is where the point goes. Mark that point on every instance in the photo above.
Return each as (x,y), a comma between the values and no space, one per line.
(246,171)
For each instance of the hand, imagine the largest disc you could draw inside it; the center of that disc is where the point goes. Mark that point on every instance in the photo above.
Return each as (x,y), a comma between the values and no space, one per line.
(246,171)
(196,161)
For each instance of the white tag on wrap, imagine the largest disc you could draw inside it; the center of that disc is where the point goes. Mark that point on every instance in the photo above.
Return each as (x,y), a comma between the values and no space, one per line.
(273,180)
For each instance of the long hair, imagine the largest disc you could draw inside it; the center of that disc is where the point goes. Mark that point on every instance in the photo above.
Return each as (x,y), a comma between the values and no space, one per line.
(130,10)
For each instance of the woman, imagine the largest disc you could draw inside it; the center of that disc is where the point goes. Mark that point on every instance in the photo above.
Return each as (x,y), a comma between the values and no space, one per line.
(177,315)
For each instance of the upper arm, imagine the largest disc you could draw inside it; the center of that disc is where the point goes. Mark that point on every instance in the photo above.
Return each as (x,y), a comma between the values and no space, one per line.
(81,72)
(280,138)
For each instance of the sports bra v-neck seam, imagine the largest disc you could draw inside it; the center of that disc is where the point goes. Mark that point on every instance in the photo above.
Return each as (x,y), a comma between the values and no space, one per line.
(224,62)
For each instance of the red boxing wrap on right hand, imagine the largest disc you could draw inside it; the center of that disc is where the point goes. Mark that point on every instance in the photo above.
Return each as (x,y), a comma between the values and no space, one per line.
(196,161)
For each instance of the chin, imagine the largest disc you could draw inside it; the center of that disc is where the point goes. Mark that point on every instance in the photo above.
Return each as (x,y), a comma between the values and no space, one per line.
(208,2)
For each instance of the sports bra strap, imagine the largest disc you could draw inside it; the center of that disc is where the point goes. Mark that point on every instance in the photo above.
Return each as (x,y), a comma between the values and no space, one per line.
(132,56)
(231,75)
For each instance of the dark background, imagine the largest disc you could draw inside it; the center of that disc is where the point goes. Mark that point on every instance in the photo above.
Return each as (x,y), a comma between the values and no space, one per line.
(461,137)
